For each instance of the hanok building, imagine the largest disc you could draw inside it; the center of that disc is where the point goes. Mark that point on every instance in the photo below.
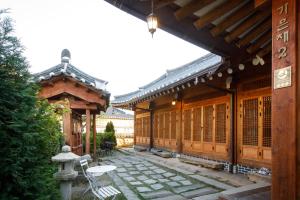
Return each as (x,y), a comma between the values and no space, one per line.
(260,36)
(78,92)
(190,110)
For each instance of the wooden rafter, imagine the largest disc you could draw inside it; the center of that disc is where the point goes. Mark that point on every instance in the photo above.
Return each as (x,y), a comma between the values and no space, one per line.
(260,41)
(264,51)
(190,8)
(162,3)
(254,33)
(244,11)
(216,13)
(247,24)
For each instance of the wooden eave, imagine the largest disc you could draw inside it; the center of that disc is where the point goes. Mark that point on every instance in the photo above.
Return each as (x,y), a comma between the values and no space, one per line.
(221,29)
(62,85)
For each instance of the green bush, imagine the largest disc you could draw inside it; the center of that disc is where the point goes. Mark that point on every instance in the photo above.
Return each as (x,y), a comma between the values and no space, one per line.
(29,129)
(101,138)
(107,137)
(109,128)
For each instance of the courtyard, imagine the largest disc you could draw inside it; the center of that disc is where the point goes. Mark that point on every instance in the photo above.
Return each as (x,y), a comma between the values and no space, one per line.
(141,175)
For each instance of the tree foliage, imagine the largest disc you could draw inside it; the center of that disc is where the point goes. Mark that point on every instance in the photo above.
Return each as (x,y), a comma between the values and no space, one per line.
(109,127)
(29,130)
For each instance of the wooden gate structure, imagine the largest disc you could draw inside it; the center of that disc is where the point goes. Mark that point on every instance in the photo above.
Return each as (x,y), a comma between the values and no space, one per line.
(80,94)
(259,41)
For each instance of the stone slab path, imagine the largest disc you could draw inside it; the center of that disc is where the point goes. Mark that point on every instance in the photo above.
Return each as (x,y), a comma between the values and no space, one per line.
(139,178)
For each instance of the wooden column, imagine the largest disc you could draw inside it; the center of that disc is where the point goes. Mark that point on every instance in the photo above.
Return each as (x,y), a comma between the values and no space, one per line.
(67,121)
(285,99)
(94,133)
(88,131)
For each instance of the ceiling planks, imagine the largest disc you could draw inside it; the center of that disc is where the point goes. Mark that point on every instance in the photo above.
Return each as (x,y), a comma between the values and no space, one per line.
(190,8)
(246,25)
(226,28)
(244,11)
(260,42)
(216,13)
(263,27)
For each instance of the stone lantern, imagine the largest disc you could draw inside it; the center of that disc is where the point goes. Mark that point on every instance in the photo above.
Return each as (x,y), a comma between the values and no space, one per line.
(66,171)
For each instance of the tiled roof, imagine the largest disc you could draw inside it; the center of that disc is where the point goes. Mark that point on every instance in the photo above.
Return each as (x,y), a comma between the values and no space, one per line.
(207,64)
(115,113)
(70,70)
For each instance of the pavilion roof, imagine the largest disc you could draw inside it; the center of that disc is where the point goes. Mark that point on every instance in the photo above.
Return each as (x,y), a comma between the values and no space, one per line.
(69,70)
(205,65)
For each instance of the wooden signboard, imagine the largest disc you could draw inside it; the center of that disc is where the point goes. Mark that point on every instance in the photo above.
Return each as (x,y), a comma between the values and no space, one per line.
(284,99)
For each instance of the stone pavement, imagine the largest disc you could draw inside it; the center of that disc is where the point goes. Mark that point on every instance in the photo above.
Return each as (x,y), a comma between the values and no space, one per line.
(140,177)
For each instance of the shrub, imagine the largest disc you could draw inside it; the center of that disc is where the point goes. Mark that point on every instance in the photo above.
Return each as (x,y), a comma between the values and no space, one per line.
(107,137)
(29,129)
(109,127)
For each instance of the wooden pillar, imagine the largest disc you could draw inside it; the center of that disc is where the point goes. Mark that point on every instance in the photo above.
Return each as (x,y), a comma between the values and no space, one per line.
(88,130)
(67,122)
(179,127)
(285,99)
(94,133)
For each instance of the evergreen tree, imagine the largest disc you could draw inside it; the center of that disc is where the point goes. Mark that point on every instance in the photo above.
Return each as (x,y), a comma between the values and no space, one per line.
(29,130)
(109,127)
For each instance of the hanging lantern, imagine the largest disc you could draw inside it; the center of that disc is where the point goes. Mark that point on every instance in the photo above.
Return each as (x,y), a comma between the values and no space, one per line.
(152,21)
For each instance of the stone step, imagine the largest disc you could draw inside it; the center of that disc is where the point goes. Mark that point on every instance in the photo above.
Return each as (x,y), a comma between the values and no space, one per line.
(158,194)
(244,191)
(161,153)
(214,196)
(199,192)
(202,162)
(171,197)
(255,177)
(140,148)
(187,188)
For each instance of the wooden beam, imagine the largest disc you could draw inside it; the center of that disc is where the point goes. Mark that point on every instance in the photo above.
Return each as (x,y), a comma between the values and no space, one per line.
(247,24)
(83,105)
(216,13)
(162,3)
(285,103)
(190,8)
(68,87)
(260,41)
(88,131)
(244,11)
(254,33)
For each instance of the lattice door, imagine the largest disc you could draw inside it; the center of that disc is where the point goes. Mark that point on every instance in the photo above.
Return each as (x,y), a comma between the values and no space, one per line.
(220,133)
(197,124)
(256,128)
(167,125)
(250,122)
(187,124)
(267,136)
(155,126)
(208,123)
(173,125)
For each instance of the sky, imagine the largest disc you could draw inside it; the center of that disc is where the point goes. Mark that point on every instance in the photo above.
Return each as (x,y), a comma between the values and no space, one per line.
(104,41)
